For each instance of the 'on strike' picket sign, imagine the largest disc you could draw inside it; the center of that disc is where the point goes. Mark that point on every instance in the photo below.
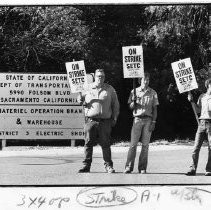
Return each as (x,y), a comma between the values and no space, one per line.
(133,63)
(184,75)
(77,76)
(39,106)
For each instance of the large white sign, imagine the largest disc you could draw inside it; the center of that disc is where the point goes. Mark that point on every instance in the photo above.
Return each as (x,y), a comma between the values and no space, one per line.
(184,75)
(42,89)
(133,63)
(77,76)
(39,106)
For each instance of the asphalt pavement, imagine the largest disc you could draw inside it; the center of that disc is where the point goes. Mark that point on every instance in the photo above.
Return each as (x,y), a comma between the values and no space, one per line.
(59,166)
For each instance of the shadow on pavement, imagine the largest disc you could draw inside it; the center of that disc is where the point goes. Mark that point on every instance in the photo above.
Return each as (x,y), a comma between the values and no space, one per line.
(66,161)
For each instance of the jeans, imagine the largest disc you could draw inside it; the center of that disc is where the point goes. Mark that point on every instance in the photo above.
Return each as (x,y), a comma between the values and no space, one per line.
(204,129)
(97,131)
(140,128)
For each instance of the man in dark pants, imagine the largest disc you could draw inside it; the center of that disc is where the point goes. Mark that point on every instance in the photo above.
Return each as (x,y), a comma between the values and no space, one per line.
(204,129)
(101,112)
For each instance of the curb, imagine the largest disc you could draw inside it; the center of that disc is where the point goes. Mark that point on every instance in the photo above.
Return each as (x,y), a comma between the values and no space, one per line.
(10,152)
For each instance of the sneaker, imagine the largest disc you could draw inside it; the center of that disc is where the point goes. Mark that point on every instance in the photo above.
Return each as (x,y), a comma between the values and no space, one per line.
(127,170)
(142,171)
(191,172)
(207,173)
(109,169)
(85,169)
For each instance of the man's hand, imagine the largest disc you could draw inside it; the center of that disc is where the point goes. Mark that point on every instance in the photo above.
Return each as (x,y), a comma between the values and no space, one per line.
(113,122)
(152,126)
(190,97)
(132,105)
(80,99)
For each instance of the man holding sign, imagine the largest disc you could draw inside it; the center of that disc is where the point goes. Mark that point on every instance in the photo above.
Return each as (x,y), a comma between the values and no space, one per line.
(144,106)
(204,129)
(185,77)
(101,112)
(186,81)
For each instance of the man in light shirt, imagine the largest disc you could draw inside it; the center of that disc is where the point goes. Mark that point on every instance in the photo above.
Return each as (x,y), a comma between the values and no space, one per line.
(101,112)
(204,129)
(144,106)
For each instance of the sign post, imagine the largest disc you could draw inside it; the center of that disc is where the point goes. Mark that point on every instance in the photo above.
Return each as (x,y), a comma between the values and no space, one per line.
(133,64)
(185,78)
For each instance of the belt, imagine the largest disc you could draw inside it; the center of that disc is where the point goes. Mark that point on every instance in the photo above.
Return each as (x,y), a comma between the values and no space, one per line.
(205,120)
(97,119)
(143,117)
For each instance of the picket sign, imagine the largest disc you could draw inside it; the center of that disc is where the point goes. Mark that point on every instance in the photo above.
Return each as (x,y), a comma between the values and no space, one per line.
(77,76)
(185,78)
(133,64)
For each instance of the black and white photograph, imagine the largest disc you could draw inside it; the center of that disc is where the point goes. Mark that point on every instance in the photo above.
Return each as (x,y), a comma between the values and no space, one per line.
(106,99)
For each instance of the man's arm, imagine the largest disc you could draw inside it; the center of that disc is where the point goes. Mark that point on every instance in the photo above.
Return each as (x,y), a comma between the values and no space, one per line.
(131,101)
(114,106)
(154,114)
(197,106)
(81,98)
(154,117)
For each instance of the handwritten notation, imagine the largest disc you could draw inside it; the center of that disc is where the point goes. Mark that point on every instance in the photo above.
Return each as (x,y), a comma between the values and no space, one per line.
(148,196)
(190,194)
(98,197)
(28,201)
(105,197)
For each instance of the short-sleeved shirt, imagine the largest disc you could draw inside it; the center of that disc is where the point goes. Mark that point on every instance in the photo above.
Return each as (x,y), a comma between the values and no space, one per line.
(101,103)
(204,102)
(145,101)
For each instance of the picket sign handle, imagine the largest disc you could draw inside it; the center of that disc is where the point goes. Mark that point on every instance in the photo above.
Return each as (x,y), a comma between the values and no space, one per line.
(194,110)
(134,88)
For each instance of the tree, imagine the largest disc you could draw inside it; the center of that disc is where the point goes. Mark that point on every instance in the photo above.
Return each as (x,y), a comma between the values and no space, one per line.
(181,31)
(34,36)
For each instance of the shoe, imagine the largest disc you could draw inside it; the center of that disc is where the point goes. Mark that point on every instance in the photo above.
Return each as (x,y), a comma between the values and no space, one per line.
(127,170)
(207,173)
(109,169)
(191,173)
(142,171)
(85,169)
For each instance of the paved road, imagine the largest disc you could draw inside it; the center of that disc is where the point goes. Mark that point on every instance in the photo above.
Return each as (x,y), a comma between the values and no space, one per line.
(166,166)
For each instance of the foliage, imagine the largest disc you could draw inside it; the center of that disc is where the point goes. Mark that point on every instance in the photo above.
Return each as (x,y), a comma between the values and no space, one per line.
(111,27)
(32,35)
(181,31)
